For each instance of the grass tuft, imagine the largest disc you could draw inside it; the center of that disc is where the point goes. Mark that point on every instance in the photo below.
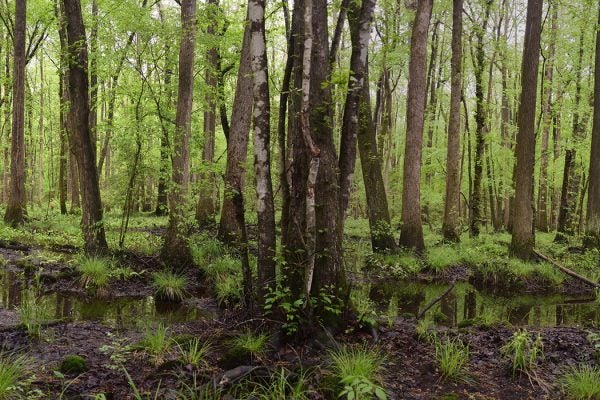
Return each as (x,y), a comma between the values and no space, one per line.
(357,370)
(169,286)
(95,272)
(12,370)
(523,351)
(582,383)
(452,356)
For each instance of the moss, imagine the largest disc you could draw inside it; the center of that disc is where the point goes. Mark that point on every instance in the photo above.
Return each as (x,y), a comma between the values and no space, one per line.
(73,364)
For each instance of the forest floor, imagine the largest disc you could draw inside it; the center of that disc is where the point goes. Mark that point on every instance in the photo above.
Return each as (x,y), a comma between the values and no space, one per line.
(111,329)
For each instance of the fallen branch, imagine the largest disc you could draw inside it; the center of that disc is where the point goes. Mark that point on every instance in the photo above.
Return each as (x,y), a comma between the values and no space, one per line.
(434,302)
(567,270)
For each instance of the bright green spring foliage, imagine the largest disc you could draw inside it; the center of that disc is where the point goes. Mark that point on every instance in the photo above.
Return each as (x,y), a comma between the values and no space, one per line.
(524,351)
(157,343)
(95,273)
(169,286)
(452,356)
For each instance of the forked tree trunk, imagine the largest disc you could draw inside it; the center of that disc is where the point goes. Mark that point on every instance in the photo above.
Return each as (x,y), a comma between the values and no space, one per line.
(262,154)
(17,199)
(523,235)
(451,206)
(79,112)
(411,234)
(175,251)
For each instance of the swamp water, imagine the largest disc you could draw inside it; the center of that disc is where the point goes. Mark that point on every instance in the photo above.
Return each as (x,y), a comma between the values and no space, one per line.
(465,304)
(115,312)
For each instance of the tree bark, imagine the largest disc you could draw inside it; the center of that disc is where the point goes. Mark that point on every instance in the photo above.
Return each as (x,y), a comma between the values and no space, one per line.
(79,112)
(205,208)
(451,206)
(411,234)
(175,251)
(262,154)
(523,235)
(592,237)
(230,226)
(16,207)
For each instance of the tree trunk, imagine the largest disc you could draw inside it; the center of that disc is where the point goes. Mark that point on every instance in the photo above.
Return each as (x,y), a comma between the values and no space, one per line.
(480,121)
(451,206)
(205,208)
(79,112)
(94,78)
(62,172)
(523,235)
(592,237)
(230,226)
(175,251)
(16,207)
(262,154)
(411,235)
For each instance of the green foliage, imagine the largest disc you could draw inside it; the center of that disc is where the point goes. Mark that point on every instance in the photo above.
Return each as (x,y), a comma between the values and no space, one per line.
(206,250)
(33,313)
(249,344)
(229,289)
(452,356)
(357,370)
(12,370)
(73,364)
(281,385)
(169,286)
(95,273)
(401,265)
(118,351)
(594,339)
(582,383)
(157,343)
(194,352)
(523,351)
(442,257)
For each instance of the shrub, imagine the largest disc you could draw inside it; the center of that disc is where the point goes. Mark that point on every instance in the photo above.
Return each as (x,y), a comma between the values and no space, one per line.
(169,286)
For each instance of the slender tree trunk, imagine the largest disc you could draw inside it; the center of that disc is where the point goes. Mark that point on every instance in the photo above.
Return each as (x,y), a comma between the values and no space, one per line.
(162,197)
(523,238)
(94,77)
(205,208)
(262,153)
(592,238)
(16,207)
(62,174)
(79,112)
(451,205)
(231,226)
(175,250)
(411,235)
(480,121)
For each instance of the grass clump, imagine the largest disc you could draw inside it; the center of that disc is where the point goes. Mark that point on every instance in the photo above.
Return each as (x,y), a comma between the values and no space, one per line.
(95,273)
(523,351)
(582,383)
(452,356)
(442,257)
(228,289)
(206,250)
(157,343)
(282,385)
(194,352)
(249,344)
(33,313)
(12,370)
(169,286)
(357,371)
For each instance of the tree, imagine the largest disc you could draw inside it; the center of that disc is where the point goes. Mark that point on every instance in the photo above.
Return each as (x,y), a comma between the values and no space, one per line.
(79,130)
(16,207)
(175,249)
(451,212)
(593,206)
(411,234)
(523,235)
(262,154)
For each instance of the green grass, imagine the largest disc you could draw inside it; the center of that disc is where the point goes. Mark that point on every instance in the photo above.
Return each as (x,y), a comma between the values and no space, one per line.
(281,385)
(169,286)
(523,351)
(357,369)
(206,249)
(452,356)
(194,352)
(157,343)
(254,344)
(228,289)
(33,313)
(442,257)
(95,272)
(12,370)
(582,383)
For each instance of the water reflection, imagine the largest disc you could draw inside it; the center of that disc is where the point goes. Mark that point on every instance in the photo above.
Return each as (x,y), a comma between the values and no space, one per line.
(122,312)
(464,302)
